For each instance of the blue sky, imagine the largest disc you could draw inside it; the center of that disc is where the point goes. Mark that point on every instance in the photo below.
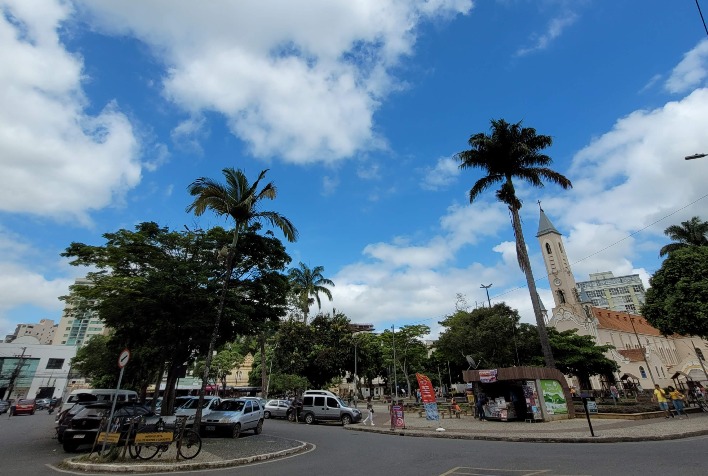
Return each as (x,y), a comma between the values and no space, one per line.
(110,109)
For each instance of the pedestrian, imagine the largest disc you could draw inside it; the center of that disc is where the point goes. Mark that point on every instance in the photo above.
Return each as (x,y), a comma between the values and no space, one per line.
(370,409)
(615,393)
(661,398)
(354,400)
(481,401)
(677,399)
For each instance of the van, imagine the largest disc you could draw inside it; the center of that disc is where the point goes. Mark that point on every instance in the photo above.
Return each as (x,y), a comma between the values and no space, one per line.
(98,395)
(321,405)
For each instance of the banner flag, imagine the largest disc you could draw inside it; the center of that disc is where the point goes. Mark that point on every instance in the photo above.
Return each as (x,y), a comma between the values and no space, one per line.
(427,395)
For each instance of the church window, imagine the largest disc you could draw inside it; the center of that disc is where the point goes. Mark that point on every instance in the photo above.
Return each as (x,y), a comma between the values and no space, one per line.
(560,247)
(548,248)
(699,353)
(642,372)
(561,296)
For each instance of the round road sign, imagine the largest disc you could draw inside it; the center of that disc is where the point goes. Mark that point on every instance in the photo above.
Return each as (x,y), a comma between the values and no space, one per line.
(123,358)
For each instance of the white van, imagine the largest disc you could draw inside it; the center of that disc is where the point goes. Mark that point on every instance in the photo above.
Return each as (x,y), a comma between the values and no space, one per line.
(98,395)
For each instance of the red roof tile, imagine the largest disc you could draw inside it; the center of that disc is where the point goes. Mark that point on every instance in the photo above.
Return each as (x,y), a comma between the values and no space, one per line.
(622,321)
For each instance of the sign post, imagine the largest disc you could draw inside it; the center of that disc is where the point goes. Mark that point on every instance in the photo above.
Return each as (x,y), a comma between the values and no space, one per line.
(123,359)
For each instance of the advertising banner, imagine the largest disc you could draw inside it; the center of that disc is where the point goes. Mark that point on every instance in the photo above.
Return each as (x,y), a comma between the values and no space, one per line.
(553,397)
(397,419)
(488,376)
(427,395)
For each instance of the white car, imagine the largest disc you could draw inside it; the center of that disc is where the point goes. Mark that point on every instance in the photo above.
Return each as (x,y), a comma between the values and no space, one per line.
(189,408)
(234,416)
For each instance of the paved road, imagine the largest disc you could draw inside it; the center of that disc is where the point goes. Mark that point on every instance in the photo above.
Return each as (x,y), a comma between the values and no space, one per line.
(28,449)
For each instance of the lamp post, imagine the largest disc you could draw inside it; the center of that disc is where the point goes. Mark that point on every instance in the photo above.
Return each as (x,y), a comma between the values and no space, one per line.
(395,379)
(695,156)
(699,357)
(486,288)
(651,374)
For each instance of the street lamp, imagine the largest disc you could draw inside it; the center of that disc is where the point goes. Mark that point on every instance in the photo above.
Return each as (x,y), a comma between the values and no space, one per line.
(486,288)
(695,156)
(395,379)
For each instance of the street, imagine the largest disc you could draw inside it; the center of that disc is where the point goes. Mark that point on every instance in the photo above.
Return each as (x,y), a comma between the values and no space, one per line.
(29,448)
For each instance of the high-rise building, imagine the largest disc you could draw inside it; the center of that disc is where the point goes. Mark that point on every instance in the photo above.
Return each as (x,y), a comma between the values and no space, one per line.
(616,293)
(77,327)
(43,331)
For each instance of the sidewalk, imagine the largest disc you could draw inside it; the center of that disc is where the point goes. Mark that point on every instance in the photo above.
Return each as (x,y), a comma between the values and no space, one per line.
(566,431)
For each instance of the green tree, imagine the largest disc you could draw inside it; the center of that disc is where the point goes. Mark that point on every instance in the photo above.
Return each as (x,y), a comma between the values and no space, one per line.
(240,201)
(222,365)
(693,232)
(677,299)
(486,334)
(405,350)
(580,356)
(514,152)
(307,284)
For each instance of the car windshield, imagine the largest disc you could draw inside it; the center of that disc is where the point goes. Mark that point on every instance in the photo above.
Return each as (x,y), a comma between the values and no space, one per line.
(341,402)
(231,406)
(193,404)
(93,412)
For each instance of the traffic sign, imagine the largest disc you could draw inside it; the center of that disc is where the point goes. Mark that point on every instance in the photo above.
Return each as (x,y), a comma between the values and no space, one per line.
(123,358)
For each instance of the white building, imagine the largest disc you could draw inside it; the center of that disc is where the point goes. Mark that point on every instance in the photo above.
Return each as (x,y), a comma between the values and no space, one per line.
(43,331)
(75,329)
(640,350)
(29,369)
(616,293)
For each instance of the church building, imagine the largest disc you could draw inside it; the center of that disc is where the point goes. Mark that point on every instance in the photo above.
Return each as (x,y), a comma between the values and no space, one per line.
(644,356)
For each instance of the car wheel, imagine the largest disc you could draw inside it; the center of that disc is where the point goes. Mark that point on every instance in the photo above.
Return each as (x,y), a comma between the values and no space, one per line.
(266,415)
(236,431)
(309,418)
(346,420)
(259,428)
(291,416)
(70,447)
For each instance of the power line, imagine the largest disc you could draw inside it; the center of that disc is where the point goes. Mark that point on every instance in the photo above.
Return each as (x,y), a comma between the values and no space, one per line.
(702,19)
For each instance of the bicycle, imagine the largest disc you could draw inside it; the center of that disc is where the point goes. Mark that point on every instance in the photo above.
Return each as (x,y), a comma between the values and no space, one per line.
(156,439)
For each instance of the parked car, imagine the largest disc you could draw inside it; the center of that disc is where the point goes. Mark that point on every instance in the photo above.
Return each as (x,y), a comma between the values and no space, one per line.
(43,403)
(83,428)
(322,407)
(189,408)
(63,418)
(232,416)
(4,406)
(277,409)
(24,406)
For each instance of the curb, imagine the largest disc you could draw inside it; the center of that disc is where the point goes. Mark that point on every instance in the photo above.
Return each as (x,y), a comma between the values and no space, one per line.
(71,463)
(529,439)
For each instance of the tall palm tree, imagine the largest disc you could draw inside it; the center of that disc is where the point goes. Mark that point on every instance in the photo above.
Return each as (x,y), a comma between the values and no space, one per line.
(238,200)
(307,284)
(693,232)
(509,152)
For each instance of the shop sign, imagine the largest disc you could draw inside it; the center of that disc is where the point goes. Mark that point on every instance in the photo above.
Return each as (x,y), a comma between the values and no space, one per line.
(488,376)
(553,397)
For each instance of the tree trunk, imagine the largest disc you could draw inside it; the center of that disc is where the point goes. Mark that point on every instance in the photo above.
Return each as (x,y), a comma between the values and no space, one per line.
(525,265)
(264,375)
(158,382)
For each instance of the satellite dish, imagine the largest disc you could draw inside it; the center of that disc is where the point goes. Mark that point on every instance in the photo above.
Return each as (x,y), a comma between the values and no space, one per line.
(471,362)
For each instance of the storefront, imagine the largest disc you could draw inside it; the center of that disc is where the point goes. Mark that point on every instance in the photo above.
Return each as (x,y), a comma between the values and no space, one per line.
(522,393)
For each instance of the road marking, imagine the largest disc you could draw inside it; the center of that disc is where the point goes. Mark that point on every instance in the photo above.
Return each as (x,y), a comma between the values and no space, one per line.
(469,471)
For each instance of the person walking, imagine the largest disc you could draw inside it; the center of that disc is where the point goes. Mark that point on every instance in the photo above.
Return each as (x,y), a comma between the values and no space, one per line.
(661,398)
(481,401)
(677,399)
(614,393)
(370,409)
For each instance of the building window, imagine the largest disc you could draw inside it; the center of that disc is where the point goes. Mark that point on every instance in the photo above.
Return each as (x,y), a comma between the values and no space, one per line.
(642,372)
(699,353)
(548,248)
(55,364)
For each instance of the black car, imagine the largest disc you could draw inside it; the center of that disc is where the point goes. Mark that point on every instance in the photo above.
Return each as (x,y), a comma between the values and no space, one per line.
(83,428)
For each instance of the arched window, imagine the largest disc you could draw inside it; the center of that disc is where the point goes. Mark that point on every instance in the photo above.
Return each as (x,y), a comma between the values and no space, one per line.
(642,372)
(561,296)
(548,248)
(560,247)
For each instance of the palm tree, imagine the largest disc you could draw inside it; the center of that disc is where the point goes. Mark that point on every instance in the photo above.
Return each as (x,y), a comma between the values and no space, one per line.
(239,200)
(307,284)
(509,152)
(693,232)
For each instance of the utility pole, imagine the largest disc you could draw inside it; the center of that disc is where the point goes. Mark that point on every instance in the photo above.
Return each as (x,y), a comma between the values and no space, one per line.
(700,358)
(486,288)
(15,374)
(651,374)
(395,379)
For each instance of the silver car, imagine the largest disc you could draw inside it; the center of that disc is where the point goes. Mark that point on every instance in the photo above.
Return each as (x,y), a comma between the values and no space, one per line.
(277,409)
(233,416)
(189,408)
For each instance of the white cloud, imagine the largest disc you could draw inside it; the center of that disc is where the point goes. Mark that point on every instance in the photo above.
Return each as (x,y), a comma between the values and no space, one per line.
(555,28)
(691,71)
(300,80)
(445,171)
(56,160)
